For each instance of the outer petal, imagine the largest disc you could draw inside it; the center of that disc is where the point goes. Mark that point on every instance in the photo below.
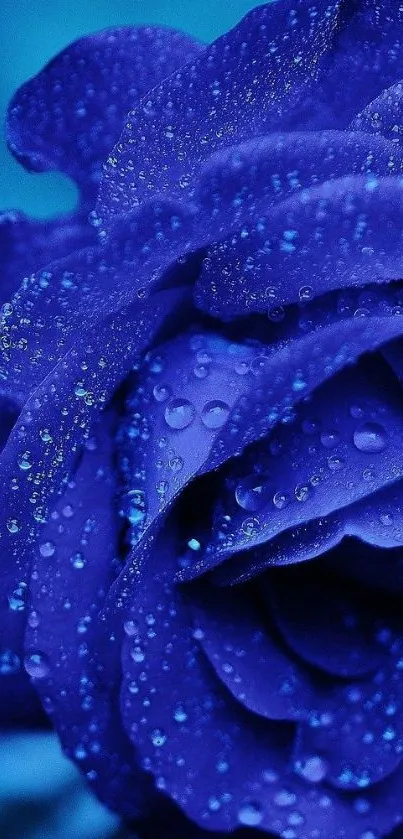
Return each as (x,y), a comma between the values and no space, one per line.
(282,66)
(27,244)
(69,116)
(74,566)
(382,115)
(249,79)
(145,245)
(317,240)
(45,441)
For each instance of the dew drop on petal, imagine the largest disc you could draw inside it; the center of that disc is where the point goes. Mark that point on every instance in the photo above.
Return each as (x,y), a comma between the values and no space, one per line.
(161,393)
(180,714)
(36,664)
(77,560)
(25,461)
(215,413)
(302,492)
(9,663)
(17,599)
(250,814)
(47,549)
(252,493)
(280,500)
(370,437)
(13,525)
(329,439)
(179,413)
(250,526)
(313,769)
(158,737)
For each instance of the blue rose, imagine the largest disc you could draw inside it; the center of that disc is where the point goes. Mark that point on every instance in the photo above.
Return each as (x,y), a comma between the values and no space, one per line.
(202,423)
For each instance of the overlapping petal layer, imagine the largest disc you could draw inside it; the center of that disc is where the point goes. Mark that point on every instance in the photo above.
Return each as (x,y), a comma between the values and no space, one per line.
(69,116)
(249,432)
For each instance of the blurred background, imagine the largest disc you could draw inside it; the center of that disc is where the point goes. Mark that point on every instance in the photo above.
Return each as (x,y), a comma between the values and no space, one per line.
(41,794)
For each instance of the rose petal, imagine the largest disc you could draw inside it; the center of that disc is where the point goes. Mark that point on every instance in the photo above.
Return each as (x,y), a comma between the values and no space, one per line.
(382,116)
(247,657)
(343,447)
(74,565)
(320,239)
(361,741)
(232,749)
(27,244)
(69,116)
(183,397)
(327,622)
(246,83)
(54,423)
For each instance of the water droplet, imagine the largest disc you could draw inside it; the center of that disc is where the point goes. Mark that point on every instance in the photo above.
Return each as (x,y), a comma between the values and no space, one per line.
(180,714)
(302,492)
(45,435)
(329,439)
(250,813)
(179,414)
(285,798)
(175,463)
(9,663)
(158,737)
(356,412)
(250,526)
(335,463)
(77,560)
(25,461)
(194,544)
(34,619)
(299,383)
(137,655)
(215,414)
(201,371)
(17,600)
(242,368)
(161,393)
(305,293)
(13,525)
(130,627)
(370,437)
(253,494)
(280,500)
(47,549)
(36,664)
(313,769)
(214,804)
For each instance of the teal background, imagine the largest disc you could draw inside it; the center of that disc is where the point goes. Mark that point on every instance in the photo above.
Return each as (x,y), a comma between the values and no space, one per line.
(33,31)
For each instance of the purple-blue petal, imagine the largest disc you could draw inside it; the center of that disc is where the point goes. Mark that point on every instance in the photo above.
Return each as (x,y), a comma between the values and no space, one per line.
(74,564)
(28,244)
(70,115)
(244,84)
(343,446)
